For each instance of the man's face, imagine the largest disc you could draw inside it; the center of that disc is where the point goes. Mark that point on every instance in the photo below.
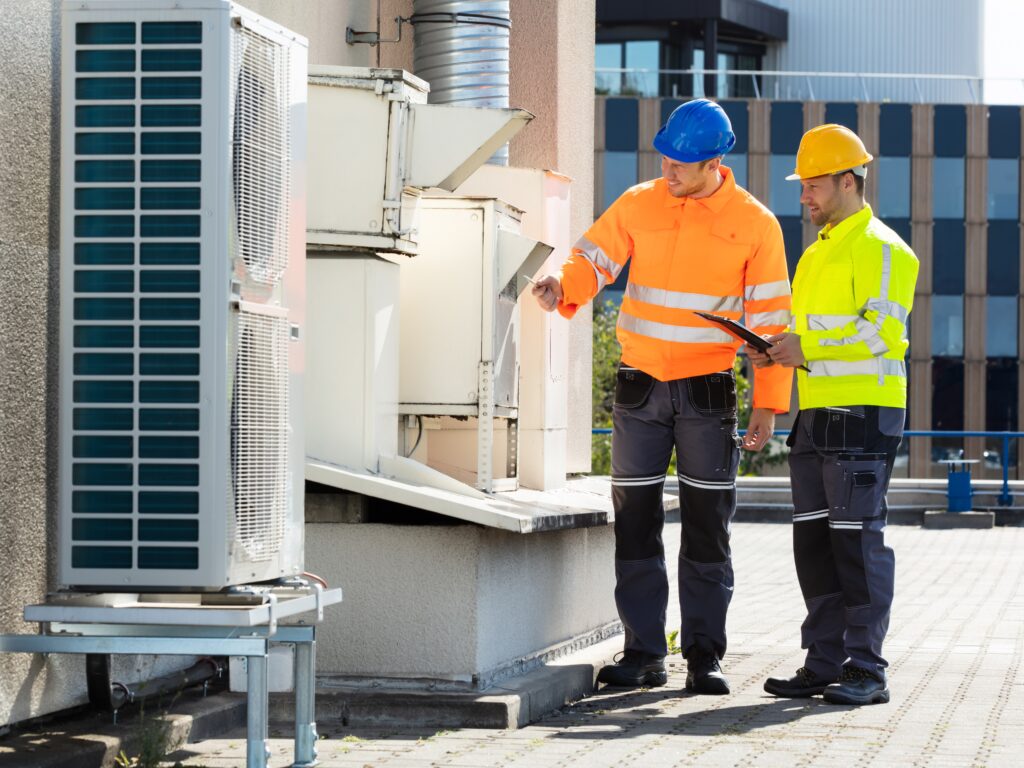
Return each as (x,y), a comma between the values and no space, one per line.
(823,197)
(687,179)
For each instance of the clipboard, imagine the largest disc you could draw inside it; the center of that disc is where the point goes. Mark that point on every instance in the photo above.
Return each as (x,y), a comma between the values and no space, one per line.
(741,332)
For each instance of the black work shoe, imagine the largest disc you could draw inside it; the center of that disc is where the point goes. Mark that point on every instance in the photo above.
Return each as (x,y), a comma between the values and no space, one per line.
(857,686)
(704,675)
(634,670)
(800,686)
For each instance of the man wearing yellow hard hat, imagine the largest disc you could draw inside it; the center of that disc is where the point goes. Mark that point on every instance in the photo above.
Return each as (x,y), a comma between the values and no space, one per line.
(852,293)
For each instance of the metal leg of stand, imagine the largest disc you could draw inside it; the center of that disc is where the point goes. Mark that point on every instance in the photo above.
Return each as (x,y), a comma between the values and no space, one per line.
(257,750)
(305,704)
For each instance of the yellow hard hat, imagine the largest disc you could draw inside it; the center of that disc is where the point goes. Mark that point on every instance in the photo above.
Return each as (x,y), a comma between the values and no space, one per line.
(829,149)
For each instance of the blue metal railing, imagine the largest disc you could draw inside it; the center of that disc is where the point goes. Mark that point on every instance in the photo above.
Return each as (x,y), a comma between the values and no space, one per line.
(1005,498)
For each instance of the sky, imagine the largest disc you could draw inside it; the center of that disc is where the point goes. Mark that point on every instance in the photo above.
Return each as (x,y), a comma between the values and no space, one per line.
(1001,51)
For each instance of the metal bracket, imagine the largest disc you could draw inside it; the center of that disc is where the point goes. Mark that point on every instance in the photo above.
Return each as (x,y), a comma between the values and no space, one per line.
(353,37)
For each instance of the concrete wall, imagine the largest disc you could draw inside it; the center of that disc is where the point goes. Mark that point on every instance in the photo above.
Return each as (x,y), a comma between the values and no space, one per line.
(462,604)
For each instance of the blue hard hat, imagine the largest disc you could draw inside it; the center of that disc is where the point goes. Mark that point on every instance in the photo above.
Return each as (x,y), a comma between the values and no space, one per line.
(697,130)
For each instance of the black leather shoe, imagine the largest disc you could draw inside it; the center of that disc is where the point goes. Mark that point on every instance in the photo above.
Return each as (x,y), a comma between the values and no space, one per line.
(634,670)
(800,686)
(857,686)
(704,674)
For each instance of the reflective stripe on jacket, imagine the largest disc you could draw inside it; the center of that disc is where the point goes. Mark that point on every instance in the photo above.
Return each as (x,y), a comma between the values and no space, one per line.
(852,294)
(723,254)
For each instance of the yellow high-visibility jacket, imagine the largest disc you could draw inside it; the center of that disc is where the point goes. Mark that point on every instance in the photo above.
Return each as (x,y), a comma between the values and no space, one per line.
(852,294)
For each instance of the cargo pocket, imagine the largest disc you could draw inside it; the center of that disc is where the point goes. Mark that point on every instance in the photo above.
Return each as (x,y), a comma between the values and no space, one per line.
(632,387)
(861,489)
(712,393)
(838,429)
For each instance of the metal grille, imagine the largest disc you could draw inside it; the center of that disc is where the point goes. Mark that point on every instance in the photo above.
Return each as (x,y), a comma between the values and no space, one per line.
(259,434)
(260,160)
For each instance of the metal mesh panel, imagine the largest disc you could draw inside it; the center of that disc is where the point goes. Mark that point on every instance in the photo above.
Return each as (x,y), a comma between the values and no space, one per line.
(260,159)
(259,434)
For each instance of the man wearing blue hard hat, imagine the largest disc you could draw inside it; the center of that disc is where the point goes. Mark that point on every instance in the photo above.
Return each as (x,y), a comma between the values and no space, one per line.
(698,243)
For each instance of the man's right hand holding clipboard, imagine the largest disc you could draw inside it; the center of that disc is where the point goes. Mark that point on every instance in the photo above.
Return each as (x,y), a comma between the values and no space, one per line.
(782,348)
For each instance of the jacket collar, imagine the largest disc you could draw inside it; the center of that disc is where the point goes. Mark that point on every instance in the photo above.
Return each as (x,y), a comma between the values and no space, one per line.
(714,202)
(834,234)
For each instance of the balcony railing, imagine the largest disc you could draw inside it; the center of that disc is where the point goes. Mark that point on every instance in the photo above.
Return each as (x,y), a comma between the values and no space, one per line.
(810,86)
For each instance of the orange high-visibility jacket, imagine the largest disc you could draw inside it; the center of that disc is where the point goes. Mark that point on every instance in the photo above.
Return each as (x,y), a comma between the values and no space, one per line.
(721,254)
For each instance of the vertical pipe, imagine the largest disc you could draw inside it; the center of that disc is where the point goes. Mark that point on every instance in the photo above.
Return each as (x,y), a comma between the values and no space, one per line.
(461,47)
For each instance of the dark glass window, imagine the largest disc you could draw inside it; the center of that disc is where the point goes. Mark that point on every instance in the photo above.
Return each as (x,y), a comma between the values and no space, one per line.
(792,238)
(948,256)
(894,126)
(1001,405)
(950,130)
(901,227)
(787,126)
(947,394)
(737,162)
(1004,131)
(621,125)
(1003,258)
(842,113)
(739,117)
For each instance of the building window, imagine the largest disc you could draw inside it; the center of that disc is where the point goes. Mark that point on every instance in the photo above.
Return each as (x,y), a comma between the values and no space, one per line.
(783,196)
(947,326)
(631,55)
(1003,258)
(843,113)
(792,238)
(621,125)
(1001,326)
(948,187)
(620,170)
(948,257)
(1003,188)
(737,163)
(894,187)
(1001,407)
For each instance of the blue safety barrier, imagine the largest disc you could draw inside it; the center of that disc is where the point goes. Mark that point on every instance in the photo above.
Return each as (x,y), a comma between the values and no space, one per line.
(961,486)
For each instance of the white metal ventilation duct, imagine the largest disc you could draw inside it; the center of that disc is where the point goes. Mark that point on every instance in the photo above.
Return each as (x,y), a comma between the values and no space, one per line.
(461,48)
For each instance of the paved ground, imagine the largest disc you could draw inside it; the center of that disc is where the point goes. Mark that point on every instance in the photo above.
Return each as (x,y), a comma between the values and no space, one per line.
(955,647)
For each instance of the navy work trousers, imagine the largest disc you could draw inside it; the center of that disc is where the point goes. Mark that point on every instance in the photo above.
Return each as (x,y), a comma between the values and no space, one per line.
(840,463)
(697,417)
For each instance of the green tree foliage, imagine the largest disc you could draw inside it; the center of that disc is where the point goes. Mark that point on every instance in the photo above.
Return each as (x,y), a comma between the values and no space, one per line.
(606,360)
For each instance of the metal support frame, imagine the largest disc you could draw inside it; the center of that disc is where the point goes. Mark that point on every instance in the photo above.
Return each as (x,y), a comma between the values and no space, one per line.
(92,626)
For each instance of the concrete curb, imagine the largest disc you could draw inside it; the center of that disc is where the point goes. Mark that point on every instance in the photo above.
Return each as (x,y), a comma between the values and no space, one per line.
(513,704)
(95,741)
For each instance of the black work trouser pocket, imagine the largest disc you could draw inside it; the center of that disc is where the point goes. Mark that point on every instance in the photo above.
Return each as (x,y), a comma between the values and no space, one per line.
(839,429)
(632,387)
(712,393)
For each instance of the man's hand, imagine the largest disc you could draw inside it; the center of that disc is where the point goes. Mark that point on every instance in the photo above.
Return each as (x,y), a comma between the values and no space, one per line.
(757,358)
(548,291)
(759,429)
(786,350)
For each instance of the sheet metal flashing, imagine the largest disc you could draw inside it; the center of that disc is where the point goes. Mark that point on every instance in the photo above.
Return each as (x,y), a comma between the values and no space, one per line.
(582,503)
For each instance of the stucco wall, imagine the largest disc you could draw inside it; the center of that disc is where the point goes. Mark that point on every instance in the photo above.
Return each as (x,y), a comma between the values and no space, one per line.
(29,261)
